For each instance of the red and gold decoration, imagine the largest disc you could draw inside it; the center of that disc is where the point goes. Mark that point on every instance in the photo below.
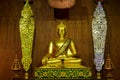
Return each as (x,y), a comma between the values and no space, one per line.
(61,4)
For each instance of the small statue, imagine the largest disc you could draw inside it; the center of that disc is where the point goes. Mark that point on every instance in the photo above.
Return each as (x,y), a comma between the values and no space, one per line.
(61,52)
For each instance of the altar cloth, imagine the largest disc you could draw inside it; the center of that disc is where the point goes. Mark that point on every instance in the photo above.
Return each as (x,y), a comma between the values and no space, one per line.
(63,73)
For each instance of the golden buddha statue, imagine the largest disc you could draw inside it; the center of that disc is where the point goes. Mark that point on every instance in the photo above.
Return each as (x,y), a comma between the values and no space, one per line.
(61,52)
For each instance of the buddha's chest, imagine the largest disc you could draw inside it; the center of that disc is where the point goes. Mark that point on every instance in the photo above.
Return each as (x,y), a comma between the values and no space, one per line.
(59,44)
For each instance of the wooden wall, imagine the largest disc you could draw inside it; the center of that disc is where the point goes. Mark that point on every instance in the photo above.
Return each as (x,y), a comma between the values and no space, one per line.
(79,29)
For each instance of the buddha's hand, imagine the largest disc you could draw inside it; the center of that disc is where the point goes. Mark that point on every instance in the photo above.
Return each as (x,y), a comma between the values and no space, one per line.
(44,61)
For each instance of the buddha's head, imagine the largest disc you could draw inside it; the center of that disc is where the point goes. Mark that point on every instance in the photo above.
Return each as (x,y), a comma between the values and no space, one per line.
(61,30)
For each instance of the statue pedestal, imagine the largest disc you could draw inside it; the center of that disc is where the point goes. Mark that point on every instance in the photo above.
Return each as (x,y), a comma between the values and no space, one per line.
(63,73)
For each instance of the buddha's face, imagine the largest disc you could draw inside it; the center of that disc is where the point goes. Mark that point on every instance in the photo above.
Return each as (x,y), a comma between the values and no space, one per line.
(61,32)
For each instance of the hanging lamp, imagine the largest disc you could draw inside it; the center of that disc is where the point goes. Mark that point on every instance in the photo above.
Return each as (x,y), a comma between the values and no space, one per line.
(61,4)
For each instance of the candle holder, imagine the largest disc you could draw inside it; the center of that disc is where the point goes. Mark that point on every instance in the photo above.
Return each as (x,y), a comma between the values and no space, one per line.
(16,68)
(109,67)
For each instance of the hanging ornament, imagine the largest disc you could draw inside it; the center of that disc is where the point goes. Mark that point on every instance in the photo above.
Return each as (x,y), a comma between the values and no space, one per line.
(99,29)
(26,27)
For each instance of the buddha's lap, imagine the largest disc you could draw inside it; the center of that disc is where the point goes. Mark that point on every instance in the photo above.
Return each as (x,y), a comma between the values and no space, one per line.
(68,63)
